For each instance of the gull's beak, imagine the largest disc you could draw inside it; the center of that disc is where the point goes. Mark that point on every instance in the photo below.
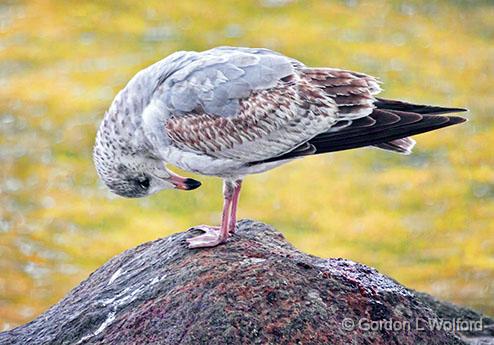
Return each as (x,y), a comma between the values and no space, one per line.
(184,183)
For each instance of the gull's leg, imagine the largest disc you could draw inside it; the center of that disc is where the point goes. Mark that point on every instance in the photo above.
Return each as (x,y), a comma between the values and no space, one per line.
(233,213)
(214,235)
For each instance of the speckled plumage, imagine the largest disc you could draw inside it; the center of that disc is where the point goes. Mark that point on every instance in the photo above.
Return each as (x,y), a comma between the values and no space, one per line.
(230,112)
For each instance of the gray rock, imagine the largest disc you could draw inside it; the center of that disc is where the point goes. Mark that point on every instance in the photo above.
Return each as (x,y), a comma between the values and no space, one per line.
(256,289)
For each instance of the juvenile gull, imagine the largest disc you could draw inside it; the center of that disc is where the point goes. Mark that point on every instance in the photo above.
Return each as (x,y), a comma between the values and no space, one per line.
(230,112)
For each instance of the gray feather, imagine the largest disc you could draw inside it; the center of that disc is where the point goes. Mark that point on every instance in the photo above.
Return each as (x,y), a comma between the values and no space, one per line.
(217,81)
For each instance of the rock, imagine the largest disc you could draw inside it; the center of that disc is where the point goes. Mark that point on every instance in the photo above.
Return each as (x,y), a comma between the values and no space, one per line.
(256,289)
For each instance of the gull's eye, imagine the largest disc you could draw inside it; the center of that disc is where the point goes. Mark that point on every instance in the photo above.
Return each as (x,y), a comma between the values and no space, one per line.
(143,182)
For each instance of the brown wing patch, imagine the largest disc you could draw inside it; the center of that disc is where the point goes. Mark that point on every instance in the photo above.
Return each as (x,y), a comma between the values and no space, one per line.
(272,121)
(209,133)
(352,92)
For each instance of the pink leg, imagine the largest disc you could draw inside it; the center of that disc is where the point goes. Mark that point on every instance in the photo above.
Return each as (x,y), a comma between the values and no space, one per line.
(212,235)
(233,213)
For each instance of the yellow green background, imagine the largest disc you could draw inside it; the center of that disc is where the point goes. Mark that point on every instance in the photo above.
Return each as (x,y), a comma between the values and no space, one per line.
(427,219)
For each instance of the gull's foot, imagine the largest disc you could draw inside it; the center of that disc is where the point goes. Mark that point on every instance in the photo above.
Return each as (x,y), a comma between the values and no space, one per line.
(212,237)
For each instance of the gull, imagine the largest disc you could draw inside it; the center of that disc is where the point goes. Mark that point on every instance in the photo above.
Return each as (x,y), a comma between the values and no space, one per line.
(231,112)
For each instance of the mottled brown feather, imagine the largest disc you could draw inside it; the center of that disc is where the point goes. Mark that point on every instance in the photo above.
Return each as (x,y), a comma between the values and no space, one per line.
(277,121)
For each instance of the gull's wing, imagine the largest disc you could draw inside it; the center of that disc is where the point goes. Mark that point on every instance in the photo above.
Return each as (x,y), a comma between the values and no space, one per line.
(254,104)
(387,127)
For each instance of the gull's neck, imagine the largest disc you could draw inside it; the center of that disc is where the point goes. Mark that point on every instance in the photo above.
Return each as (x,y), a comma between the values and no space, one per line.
(122,127)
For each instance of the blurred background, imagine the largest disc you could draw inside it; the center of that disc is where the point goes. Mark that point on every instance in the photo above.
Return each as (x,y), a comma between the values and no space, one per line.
(427,219)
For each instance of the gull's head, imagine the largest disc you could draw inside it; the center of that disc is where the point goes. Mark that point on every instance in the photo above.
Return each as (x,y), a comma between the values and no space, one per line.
(123,156)
(134,174)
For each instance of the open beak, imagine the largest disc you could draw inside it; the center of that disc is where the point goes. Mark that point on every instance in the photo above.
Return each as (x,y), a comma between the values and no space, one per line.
(184,183)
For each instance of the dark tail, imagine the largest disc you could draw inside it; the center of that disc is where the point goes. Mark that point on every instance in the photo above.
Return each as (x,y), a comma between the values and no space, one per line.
(387,127)
(390,126)
(405,145)
(390,104)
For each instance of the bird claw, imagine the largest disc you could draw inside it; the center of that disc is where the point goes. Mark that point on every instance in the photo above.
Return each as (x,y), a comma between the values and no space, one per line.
(212,237)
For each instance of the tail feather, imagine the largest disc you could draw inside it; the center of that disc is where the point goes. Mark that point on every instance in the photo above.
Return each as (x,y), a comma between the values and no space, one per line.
(390,104)
(403,145)
(408,125)
(388,127)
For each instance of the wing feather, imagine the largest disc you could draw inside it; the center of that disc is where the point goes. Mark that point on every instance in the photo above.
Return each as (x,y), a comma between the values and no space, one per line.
(268,123)
(390,131)
(251,105)
(255,106)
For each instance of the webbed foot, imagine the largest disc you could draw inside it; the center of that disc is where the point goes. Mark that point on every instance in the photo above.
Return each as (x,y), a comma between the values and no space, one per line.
(212,237)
